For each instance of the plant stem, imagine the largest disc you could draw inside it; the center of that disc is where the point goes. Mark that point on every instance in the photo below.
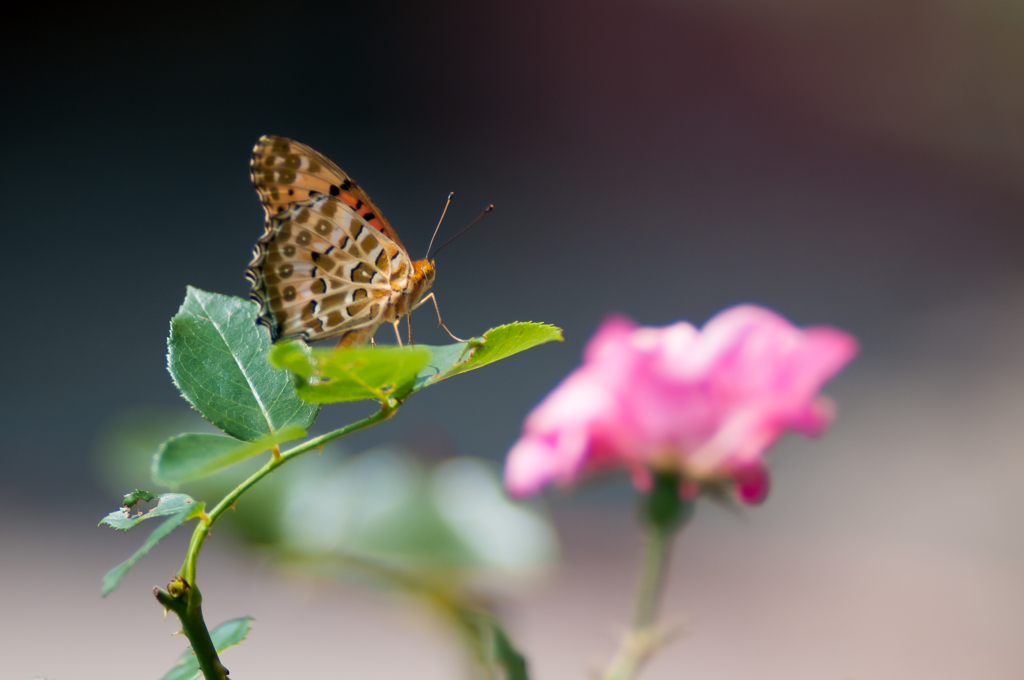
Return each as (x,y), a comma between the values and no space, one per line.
(663,514)
(188,569)
(643,639)
(652,579)
(190,613)
(187,606)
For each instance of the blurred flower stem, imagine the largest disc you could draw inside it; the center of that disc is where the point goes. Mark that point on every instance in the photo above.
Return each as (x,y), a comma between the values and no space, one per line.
(183,597)
(662,513)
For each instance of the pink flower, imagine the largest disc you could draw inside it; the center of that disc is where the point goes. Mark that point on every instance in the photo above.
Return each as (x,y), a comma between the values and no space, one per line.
(705,404)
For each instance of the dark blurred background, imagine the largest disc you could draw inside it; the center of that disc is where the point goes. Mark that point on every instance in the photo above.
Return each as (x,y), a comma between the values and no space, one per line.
(859,164)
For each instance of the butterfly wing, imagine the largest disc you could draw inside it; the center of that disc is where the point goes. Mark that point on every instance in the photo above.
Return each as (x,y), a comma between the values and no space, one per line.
(321,270)
(285,171)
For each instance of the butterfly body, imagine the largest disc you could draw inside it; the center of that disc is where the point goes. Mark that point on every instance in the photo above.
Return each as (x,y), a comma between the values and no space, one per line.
(328,264)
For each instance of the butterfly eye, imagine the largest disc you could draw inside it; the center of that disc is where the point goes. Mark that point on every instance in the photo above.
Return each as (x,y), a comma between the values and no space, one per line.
(323,227)
(292,161)
(288,293)
(289,251)
(303,239)
(285,271)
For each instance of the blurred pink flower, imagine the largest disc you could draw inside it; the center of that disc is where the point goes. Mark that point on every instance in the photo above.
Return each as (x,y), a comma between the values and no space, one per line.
(705,404)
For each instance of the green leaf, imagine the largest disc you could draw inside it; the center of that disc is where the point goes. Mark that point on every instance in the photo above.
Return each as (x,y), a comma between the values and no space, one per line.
(217,356)
(230,633)
(491,643)
(227,634)
(114,576)
(507,656)
(192,456)
(167,504)
(497,343)
(130,499)
(351,374)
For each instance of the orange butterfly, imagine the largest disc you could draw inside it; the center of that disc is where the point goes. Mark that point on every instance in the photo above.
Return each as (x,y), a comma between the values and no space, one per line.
(328,263)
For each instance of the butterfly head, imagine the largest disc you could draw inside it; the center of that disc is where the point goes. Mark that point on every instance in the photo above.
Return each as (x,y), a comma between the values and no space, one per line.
(422,278)
(423,270)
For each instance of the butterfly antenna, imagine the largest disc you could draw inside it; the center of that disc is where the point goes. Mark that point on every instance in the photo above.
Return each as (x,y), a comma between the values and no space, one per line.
(446,204)
(478,218)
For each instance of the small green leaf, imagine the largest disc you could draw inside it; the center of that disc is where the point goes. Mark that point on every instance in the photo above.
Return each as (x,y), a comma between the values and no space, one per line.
(114,576)
(167,504)
(227,634)
(497,343)
(192,456)
(217,356)
(352,374)
(134,497)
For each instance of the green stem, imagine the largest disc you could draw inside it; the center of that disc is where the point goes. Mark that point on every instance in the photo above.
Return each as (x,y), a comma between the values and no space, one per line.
(652,579)
(202,530)
(190,613)
(187,604)
(663,514)
(643,638)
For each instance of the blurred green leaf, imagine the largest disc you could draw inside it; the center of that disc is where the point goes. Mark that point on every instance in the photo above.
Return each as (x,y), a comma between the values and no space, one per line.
(167,504)
(508,657)
(448,522)
(374,505)
(124,448)
(351,374)
(115,575)
(489,643)
(227,634)
(192,456)
(496,344)
(504,536)
(504,653)
(217,356)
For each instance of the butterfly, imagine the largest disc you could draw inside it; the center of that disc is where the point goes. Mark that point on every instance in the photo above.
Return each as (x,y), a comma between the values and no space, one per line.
(328,263)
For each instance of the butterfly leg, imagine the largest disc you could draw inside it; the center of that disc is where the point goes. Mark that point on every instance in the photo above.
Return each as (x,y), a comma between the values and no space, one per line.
(439,322)
(397,334)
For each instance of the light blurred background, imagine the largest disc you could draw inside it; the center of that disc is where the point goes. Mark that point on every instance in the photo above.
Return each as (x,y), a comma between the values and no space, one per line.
(853,163)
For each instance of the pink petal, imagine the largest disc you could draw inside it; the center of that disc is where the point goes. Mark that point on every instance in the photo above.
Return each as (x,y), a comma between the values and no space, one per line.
(752,484)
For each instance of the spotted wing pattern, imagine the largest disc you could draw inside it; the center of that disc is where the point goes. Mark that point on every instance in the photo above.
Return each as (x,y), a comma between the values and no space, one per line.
(322,269)
(285,171)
